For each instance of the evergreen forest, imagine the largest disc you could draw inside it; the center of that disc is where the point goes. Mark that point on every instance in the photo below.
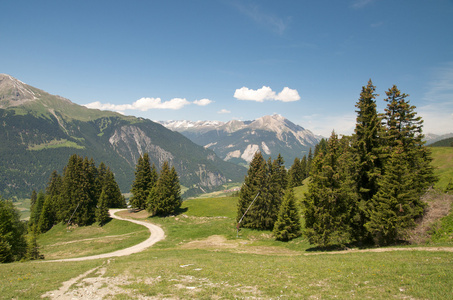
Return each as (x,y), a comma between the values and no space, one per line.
(80,196)
(363,189)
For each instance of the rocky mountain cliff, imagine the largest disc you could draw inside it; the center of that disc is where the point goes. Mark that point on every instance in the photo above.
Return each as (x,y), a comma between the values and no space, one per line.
(237,141)
(40,131)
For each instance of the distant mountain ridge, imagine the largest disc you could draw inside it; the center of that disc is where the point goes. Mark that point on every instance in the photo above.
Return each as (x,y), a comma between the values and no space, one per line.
(40,131)
(431,138)
(237,141)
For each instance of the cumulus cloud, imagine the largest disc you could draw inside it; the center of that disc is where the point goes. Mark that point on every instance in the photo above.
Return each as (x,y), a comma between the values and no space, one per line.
(266,93)
(224,111)
(203,102)
(142,104)
(288,95)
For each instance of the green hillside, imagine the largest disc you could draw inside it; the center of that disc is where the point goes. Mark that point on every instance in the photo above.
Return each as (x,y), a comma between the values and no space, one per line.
(443,143)
(202,258)
(39,132)
(443,163)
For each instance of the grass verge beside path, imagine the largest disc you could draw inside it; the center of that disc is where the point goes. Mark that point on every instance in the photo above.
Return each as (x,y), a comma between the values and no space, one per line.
(202,258)
(63,242)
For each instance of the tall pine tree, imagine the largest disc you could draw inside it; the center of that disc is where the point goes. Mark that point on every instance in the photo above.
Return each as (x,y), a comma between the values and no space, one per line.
(296,173)
(145,180)
(287,226)
(404,131)
(331,197)
(367,146)
(47,218)
(255,182)
(36,211)
(397,204)
(165,197)
(111,190)
(102,211)
(276,185)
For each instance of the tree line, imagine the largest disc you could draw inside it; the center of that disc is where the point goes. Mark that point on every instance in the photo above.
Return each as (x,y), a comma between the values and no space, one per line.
(363,188)
(81,196)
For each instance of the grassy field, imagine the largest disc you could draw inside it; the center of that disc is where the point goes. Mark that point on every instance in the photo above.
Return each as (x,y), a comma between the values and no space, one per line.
(203,258)
(64,242)
(443,163)
(23,205)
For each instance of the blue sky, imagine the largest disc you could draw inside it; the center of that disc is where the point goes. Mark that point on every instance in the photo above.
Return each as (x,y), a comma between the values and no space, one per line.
(231,59)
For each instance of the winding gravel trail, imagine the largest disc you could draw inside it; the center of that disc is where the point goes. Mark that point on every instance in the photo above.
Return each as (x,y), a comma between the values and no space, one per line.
(157,234)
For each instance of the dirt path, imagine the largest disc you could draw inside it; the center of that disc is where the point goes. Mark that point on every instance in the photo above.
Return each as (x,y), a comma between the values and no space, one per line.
(157,234)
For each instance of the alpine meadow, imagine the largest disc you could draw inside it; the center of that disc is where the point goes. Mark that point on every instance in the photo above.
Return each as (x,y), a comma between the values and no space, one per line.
(367,215)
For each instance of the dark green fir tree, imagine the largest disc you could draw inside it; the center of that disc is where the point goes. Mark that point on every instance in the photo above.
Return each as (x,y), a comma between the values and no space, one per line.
(113,196)
(35,211)
(404,131)
(397,204)
(165,197)
(287,226)
(255,185)
(145,180)
(276,184)
(47,218)
(367,147)
(32,247)
(329,203)
(12,233)
(296,173)
(102,211)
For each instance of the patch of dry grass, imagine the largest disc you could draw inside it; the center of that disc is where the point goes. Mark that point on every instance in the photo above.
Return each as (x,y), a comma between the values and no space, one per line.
(439,206)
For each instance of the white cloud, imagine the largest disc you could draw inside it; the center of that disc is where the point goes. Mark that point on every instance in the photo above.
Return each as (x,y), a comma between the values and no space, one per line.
(203,102)
(142,104)
(266,93)
(288,95)
(224,111)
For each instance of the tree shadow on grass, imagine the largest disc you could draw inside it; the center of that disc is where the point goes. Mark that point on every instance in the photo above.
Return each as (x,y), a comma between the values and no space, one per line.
(360,246)
(181,210)
(102,224)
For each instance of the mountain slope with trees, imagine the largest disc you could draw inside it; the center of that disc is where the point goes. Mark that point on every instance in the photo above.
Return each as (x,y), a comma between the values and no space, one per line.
(41,131)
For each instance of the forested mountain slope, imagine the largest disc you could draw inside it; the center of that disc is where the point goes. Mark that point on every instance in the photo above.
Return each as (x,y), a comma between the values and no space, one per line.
(39,132)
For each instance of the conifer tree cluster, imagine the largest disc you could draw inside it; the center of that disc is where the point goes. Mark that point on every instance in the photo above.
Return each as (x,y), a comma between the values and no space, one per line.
(82,196)
(160,194)
(299,171)
(367,187)
(274,207)
(13,245)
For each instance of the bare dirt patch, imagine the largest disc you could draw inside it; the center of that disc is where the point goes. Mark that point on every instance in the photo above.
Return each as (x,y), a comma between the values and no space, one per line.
(219,242)
(439,205)
(92,285)
(141,214)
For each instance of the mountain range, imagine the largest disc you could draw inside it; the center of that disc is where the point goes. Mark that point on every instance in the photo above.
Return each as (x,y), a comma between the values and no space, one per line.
(237,141)
(40,131)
